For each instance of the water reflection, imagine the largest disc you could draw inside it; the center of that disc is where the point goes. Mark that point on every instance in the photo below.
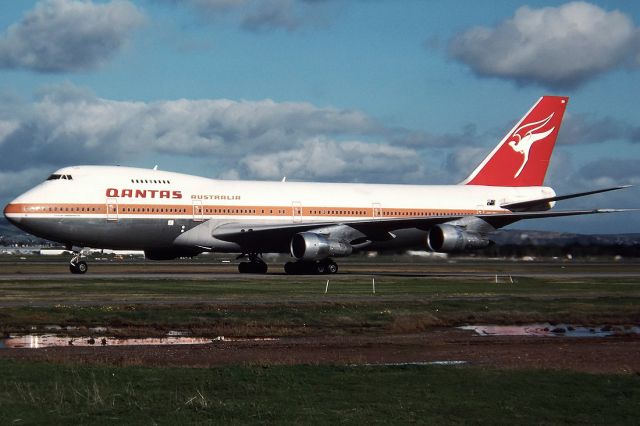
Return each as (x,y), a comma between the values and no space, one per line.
(35,341)
(549,330)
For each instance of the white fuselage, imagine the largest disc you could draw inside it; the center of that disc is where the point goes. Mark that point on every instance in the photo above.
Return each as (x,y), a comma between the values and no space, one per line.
(103,206)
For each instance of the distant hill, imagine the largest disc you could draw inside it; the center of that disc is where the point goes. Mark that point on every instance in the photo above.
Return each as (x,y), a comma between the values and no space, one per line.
(519,237)
(517,243)
(10,235)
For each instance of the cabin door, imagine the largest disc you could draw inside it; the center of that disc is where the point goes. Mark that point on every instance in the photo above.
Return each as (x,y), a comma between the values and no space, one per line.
(377,210)
(198,214)
(112,209)
(296,211)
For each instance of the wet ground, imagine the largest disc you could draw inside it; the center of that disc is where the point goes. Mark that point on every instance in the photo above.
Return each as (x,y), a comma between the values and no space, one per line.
(553,330)
(172,338)
(615,354)
(40,341)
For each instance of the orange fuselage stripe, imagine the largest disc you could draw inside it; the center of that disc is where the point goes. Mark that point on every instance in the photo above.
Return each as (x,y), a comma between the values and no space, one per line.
(226,210)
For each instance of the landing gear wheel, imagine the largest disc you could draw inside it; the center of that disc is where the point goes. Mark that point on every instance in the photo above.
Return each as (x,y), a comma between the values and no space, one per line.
(326,266)
(256,266)
(299,268)
(79,267)
(289,268)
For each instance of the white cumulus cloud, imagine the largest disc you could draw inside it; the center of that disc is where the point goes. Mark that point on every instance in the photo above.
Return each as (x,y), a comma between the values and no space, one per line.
(323,159)
(70,125)
(68,35)
(557,47)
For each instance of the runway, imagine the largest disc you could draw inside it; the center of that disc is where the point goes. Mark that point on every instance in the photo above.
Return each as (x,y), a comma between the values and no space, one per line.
(477,269)
(283,276)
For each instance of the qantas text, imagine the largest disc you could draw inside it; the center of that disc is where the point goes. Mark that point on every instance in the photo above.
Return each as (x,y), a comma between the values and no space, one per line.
(143,193)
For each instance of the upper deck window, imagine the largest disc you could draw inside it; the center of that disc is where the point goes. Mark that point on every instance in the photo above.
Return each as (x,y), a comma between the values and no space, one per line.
(164,181)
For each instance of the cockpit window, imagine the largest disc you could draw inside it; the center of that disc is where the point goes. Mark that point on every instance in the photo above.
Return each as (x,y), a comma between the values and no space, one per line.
(57,176)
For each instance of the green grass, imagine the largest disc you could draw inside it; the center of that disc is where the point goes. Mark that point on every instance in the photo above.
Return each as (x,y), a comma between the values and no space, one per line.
(39,393)
(289,319)
(304,288)
(298,306)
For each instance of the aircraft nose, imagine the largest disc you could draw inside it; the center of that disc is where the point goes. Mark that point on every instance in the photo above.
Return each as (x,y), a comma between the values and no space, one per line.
(10,212)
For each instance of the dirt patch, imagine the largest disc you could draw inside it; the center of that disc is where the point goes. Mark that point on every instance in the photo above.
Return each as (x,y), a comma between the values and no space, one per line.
(606,355)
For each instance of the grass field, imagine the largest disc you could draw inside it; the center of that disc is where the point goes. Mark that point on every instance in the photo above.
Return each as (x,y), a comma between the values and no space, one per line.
(208,302)
(37,393)
(273,306)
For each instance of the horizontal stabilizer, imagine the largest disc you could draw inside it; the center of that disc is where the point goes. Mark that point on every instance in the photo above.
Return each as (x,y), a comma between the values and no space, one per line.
(543,203)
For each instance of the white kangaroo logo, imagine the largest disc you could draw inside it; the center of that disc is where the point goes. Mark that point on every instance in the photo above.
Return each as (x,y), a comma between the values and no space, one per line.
(524,137)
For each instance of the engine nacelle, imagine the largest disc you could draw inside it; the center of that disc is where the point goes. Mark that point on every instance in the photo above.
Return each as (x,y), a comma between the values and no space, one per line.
(312,246)
(451,238)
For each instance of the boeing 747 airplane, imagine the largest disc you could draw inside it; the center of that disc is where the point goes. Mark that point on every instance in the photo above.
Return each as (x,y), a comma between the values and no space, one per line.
(172,215)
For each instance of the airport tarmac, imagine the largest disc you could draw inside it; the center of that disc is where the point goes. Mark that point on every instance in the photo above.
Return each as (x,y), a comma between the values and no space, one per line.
(283,276)
(150,270)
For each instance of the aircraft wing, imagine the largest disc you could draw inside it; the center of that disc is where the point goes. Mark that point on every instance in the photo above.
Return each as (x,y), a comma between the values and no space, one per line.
(376,229)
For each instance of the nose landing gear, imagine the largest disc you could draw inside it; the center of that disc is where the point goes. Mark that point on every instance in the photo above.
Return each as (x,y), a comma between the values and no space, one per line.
(77,266)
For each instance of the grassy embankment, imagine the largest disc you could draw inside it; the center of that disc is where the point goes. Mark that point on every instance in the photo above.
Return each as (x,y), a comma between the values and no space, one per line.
(298,306)
(38,393)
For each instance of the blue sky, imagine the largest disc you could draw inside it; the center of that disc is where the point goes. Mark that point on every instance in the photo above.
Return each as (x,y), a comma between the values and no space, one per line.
(328,90)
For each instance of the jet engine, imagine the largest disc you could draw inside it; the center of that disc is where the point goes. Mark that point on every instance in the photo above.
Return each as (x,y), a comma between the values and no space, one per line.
(450,238)
(311,246)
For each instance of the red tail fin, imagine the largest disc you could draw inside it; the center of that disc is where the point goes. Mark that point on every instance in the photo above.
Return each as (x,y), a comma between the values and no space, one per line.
(522,157)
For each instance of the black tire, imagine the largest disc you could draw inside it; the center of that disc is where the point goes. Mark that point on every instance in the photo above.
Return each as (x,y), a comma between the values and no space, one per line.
(73,269)
(252,268)
(299,268)
(261,268)
(320,268)
(82,267)
(289,268)
(332,268)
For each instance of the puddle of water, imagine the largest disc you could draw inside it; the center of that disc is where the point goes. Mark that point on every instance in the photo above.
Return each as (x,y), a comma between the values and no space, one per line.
(36,341)
(548,330)
(402,364)
(50,340)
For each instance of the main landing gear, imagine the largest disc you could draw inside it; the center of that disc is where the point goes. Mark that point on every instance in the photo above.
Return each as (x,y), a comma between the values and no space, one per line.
(255,265)
(77,266)
(324,266)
